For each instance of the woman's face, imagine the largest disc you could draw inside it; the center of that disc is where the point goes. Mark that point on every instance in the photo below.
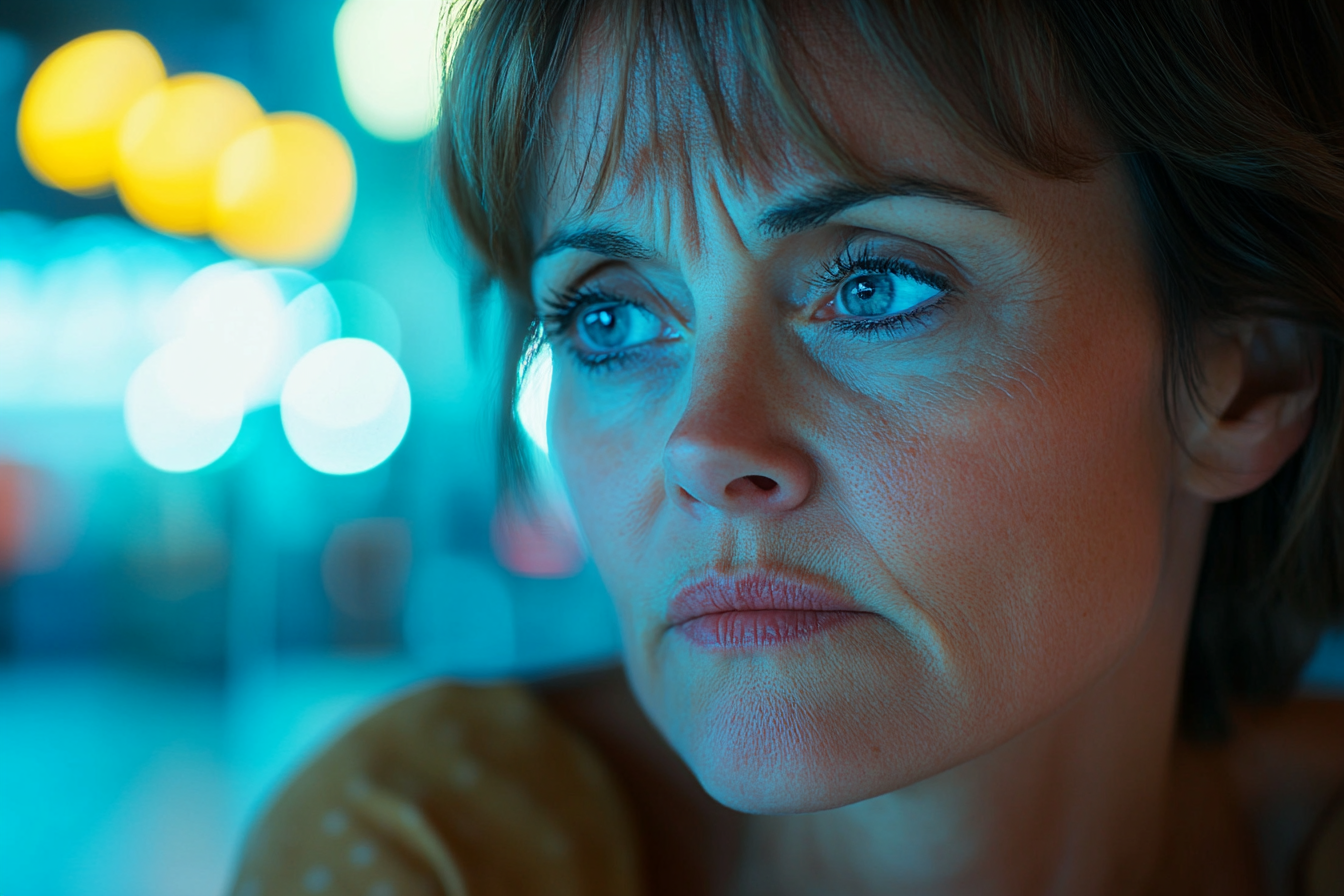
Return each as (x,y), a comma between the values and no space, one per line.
(876,479)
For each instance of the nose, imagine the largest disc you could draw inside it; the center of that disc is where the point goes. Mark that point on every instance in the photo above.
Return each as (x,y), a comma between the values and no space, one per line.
(727,452)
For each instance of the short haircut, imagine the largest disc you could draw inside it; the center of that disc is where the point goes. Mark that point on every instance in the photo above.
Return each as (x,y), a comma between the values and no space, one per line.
(1229,118)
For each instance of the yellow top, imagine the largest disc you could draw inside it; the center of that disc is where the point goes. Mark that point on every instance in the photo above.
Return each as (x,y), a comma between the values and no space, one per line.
(458,790)
(453,790)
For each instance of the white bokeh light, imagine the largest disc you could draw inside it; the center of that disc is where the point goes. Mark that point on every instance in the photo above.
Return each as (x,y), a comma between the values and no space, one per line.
(233,313)
(534,393)
(345,406)
(387,56)
(182,408)
(310,319)
(231,341)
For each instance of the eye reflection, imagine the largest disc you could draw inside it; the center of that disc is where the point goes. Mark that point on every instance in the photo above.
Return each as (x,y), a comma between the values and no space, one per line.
(873,294)
(611,328)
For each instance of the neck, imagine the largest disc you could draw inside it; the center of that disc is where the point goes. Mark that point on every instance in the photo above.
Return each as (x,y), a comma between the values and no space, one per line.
(1074,804)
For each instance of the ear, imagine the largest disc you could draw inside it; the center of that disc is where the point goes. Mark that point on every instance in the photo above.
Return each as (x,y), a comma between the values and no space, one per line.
(1261,378)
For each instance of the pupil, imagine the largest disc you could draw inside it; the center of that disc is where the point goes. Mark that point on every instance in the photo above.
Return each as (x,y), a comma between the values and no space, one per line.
(606,327)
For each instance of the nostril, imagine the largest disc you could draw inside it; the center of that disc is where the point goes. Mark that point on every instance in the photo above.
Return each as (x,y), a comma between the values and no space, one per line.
(764,483)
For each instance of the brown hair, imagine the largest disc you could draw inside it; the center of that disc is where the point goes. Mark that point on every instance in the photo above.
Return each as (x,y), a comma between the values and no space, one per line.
(1229,115)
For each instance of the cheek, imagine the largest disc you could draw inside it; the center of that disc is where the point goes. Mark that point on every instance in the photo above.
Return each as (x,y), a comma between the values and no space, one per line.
(1026,526)
(611,466)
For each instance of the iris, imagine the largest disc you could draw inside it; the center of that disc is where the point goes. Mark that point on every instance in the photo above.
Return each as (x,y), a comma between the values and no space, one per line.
(874,294)
(613,327)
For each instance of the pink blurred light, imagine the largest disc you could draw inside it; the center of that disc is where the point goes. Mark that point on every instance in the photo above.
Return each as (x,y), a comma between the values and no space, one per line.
(540,542)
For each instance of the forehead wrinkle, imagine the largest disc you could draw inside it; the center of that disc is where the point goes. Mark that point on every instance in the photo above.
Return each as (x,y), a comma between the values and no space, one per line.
(575,192)
(659,190)
(678,153)
(664,138)
(707,196)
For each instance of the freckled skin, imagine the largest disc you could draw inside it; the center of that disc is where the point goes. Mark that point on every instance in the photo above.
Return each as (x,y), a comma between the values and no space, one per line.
(997,486)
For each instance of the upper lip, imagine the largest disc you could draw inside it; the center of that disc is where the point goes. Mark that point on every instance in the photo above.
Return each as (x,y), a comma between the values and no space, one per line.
(721,593)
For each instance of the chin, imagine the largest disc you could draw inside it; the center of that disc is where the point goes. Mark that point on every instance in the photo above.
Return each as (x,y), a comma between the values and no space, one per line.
(780,791)
(768,755)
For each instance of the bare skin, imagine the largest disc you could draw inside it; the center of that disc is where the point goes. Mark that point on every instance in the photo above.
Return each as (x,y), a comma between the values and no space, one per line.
(993,482)
(1236,813)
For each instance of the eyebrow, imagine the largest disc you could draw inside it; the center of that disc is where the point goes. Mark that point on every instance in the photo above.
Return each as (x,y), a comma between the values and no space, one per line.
(804,212)
(599,241)
(815,208)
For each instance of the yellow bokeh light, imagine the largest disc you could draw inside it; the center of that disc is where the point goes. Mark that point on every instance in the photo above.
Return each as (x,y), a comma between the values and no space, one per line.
(284,191)
(169,144)
(75,102)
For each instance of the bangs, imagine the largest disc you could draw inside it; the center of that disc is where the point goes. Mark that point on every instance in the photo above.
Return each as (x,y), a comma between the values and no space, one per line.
(1228,118)
(992,74)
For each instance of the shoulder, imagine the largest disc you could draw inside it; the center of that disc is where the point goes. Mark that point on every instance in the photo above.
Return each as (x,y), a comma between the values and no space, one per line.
(1288,761)
(451,789)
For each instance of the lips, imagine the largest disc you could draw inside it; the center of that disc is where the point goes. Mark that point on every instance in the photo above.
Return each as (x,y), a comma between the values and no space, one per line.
(756,610)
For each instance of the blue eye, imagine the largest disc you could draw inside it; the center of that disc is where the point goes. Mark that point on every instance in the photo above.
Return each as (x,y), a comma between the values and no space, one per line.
(879,293)
(602,329)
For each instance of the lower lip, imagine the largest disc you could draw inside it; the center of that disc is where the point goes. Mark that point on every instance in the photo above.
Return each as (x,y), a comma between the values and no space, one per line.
(762,628)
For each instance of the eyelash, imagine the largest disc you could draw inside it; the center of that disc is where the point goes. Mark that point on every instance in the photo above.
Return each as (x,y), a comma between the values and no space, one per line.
(561,309)
(865,262)
(558,318)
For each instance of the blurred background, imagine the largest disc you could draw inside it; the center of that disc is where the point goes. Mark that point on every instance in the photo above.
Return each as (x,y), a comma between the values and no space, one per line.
(246,485)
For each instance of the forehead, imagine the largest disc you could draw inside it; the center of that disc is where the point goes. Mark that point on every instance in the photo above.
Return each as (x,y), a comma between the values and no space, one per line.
(622,143)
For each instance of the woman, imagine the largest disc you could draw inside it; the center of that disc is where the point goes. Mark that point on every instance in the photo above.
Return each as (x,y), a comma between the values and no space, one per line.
(950,395)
